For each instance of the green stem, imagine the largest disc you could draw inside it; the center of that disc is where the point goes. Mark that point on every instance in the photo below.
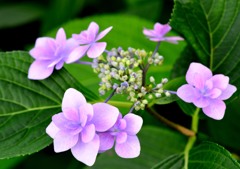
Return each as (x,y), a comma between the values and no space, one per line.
(191,139)
(120,103)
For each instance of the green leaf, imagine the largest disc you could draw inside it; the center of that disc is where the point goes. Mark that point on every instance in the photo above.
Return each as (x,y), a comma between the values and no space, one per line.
(211,28)
(27,105)
(156,144)
(205,156)
(17,14)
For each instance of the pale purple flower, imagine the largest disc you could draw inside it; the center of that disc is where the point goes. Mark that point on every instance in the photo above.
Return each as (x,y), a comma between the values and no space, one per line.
(124,134)
(87,40)
(158,33)
(206,91)
(50,53)
(76,126)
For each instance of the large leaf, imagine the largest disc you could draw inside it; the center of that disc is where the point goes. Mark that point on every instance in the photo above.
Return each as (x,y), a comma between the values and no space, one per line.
(27,105)
(207,155)
(156,145)
(211,28)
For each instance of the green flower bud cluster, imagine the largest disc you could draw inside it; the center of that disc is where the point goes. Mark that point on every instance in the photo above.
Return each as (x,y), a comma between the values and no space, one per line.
(122,71)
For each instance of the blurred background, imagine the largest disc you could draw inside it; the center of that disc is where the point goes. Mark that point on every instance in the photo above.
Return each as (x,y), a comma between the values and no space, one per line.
(22,21)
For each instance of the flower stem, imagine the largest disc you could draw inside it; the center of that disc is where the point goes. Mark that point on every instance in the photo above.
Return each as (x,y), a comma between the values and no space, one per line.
(191,139)
(84,63)
(177,127)
(110,96)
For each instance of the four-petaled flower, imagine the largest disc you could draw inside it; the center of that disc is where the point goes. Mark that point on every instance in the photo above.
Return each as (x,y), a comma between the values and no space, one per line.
(87,40)
(124,132)
(77,125)
(206,91)
(159,32)
(49,53)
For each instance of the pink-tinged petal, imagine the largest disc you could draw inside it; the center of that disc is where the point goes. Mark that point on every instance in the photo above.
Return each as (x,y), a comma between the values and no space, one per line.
(59,65)
(86,113)
(71,114)
(61,37)
(77,53)
(96,49)
(64,141)
(88,133)
(86,152)
(173,39)
(156,39)
(162,29)
(60,121)
(201,102)
(130,149)
(106,141)
(44,49)
(122,124)
(134,123)
(187,93)
(199,72)
(52,130)
(121,137)
(92,31)
(220,81)
(148,32)
(228,92)
(105,116)
(214,93)
(39,70)
(215,110)
(103,33)
(72,99)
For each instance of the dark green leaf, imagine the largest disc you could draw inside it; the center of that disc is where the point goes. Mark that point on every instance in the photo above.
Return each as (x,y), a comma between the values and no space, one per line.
(156,145)
(18,14)
(207,155)
(27,105)
(211,28)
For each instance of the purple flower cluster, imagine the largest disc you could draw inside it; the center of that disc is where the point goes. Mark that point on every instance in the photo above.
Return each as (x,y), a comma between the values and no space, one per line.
(50,53)
(91,129)
(206,91)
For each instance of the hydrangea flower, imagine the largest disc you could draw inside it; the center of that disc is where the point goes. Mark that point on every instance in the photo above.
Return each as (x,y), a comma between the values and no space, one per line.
(49,53)
(206,91)
(87,40)
(77,125)
(124,133)
(159,32)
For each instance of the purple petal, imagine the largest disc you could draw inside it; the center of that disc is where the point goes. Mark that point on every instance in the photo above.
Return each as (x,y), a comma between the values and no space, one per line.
(134,123)
(106,141)
(228,92)
(39,70)
(88,133)
(129,149)
(63,141)
(86,113)
(105,116)
(161,30)
(86,152)
(214,93)
(149,33)
(122,124)
(52,130)
(173,39)
(72,99)
(59,65)
(187,93)
(220,81)
(103,33)
(92,31)
(61,37)
(71,114)
(77,53)
(201,102)
(215,110)
(60,121)
(198,73)
(121,137)
(96,49)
